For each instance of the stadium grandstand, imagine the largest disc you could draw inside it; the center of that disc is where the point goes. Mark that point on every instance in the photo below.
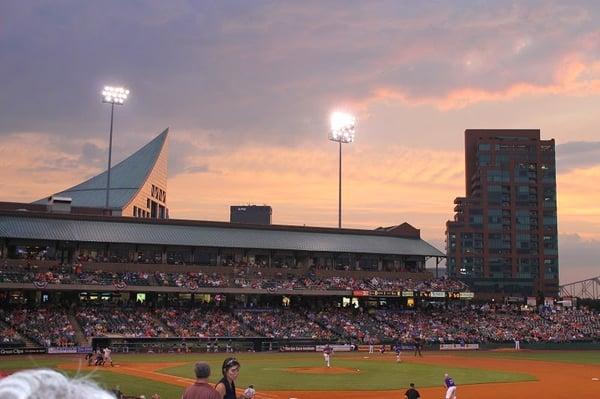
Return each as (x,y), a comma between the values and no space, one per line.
(74,276)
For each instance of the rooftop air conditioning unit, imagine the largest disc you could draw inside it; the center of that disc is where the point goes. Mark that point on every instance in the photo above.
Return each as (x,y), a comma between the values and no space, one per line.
(59,204)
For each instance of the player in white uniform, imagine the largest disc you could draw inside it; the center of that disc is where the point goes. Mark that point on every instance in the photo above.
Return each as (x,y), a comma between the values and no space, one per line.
(327,352)
(107,357)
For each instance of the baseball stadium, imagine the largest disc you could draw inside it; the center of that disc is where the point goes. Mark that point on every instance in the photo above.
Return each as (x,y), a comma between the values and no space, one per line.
(133,299)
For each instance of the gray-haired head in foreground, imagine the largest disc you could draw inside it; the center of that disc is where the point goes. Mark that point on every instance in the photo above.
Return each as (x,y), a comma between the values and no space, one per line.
(202,370)
(49,384)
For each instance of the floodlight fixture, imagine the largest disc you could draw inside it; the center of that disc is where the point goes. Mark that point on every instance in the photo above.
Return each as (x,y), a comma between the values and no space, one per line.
(342,130)
(113,96)
(343,127)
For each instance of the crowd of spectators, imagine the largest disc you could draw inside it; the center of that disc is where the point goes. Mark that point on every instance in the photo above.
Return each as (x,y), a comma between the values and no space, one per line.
(9,336)
(202,322)
(70,274)
(104,321)
(46,326)
(485,323)
(239,278)
(283,323)
(448,323)
(348,322)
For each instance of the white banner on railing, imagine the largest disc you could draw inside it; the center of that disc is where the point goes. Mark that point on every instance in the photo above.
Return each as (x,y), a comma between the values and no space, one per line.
(459,347)
(337,348)
(55,350)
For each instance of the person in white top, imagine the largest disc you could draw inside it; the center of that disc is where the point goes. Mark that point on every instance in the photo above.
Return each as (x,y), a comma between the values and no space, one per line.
(107,356)
(249,392)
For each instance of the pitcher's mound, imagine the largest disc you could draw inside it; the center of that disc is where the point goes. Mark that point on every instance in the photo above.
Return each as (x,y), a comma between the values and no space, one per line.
(322,370)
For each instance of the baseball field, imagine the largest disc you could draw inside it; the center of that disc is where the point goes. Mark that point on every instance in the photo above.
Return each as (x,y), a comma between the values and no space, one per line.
(485,374)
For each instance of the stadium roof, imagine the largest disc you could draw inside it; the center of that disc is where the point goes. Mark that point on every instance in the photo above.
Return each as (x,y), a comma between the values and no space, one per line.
(126,179)
(25,225)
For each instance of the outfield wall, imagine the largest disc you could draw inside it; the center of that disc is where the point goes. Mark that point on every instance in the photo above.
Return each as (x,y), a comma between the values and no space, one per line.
(260,344)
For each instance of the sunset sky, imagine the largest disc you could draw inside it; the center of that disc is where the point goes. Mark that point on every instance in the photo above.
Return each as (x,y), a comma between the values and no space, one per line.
(247,87)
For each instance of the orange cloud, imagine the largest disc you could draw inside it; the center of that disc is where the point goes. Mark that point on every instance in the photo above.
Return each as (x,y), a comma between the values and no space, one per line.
(33,165)
(573,78)
(578,203)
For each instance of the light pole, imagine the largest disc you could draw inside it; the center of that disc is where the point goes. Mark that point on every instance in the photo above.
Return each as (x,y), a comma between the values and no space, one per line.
(113,96)
(343,127)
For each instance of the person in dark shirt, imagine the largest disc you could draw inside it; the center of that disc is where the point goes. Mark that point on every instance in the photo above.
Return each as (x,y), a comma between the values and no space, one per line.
(412,393)
(226,386)
(418,346)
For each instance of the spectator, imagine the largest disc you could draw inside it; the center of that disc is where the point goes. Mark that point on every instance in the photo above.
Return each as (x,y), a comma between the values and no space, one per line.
(201,389)
(48,384)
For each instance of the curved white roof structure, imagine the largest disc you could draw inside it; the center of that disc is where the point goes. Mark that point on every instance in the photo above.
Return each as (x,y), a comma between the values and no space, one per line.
(138,184)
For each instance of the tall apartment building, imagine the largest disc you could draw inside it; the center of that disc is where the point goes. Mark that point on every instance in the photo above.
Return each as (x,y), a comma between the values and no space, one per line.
(503,239)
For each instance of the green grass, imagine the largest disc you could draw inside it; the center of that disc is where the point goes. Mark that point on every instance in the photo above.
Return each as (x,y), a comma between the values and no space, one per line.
(579,357)
(131,385)
(268,371)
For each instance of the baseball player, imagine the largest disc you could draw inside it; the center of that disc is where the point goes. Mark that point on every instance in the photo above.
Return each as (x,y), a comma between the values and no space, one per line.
(327,352)
(107,358)
(99,358)
(89,357)
(398,349)
(450,387)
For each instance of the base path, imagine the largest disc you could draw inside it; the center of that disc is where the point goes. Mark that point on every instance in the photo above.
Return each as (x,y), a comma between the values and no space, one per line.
(322,370)
(554,380)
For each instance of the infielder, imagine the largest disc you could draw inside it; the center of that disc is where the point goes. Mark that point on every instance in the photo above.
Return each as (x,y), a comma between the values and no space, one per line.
(398,350)
(450,387)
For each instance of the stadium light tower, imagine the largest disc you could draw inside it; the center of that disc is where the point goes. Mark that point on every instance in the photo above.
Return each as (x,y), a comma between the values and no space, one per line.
(113,96)
(343,127)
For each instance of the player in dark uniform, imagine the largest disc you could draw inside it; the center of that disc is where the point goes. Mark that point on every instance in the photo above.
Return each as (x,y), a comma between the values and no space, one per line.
(418,346)
(99,357)
(89,357)
(450,387)
(412,393)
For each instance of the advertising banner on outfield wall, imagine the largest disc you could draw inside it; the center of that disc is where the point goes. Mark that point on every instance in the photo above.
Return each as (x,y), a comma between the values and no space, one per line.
(21,351)
(337,348)
(57,350)
(292,348)
(459,347)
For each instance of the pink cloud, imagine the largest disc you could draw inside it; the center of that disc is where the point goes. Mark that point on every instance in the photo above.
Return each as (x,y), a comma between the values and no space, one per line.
(573,77)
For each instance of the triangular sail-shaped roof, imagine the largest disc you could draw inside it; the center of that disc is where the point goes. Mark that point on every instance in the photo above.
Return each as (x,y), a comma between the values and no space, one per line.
(126,179)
